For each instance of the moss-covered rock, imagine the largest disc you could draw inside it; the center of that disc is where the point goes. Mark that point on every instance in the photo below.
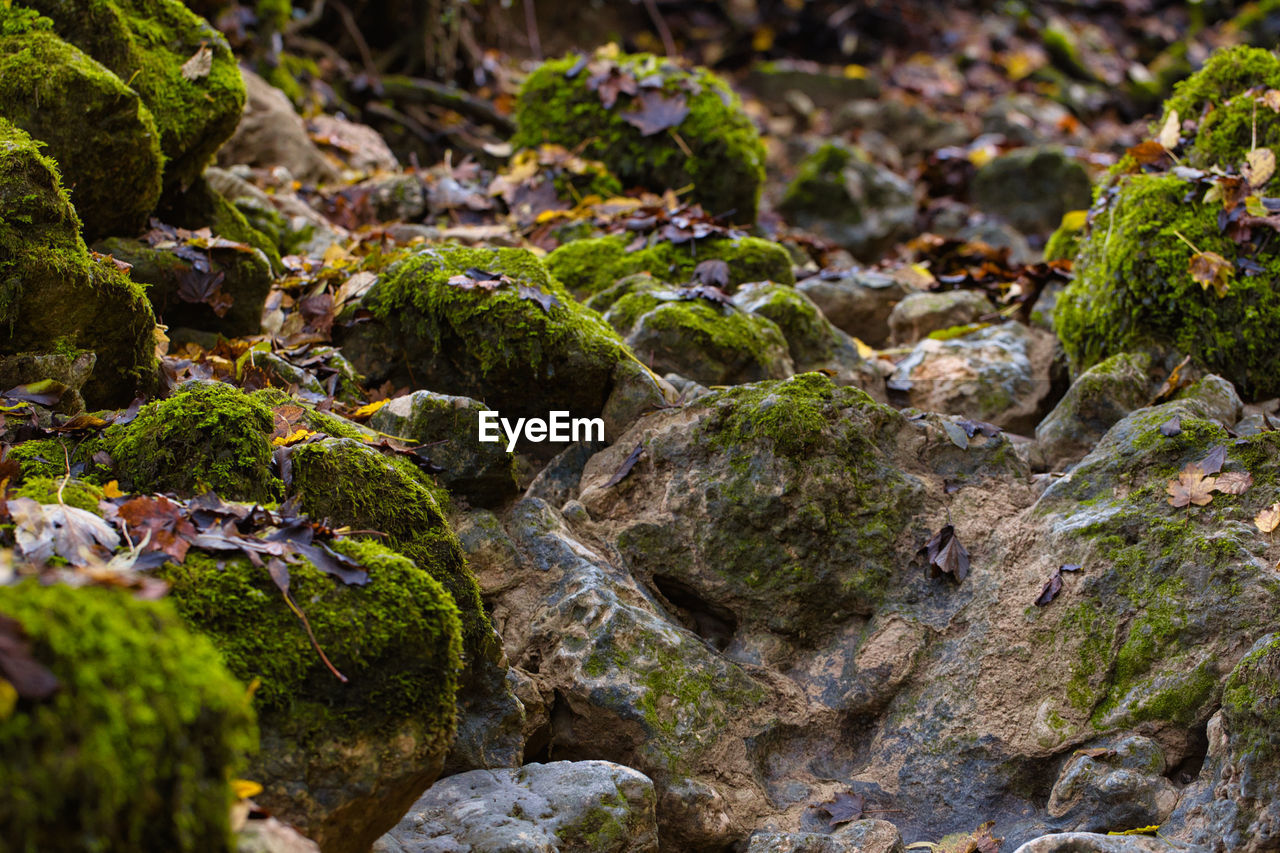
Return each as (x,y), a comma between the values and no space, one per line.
(245,282)
(1099,397)
(1222,98)
(137,748)
(104,140)
(396,640)
(843,197)
(1031,188)
(208,435)
(497,345)
(718,150)
(1132,288)
(201,206)
(54,297)
(146,43)
(1064,242)
(700,340)
(592,265)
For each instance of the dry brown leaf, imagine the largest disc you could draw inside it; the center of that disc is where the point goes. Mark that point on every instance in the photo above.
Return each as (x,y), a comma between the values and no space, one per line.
(1212,270)
(1269,518)
(1260,165)
(1171,132)
(1148,153)
(199,65)
(1271,98)
(1191,487)
(1233,482)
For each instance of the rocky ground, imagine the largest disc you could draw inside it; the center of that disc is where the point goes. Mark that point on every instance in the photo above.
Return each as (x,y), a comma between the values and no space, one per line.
(933,497)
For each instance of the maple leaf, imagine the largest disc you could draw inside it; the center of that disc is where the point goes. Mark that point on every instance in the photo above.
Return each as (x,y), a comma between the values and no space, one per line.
(844,807)
(1190,487)
(1268,519)
(1211,270)
(1260,165)
(608,81)
(654,112)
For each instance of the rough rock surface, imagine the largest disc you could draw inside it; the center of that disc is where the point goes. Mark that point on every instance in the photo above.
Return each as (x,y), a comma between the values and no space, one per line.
(271,133)
(565,806)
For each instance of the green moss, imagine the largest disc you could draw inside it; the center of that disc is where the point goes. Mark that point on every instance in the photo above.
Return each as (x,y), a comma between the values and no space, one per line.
(76,493)
(1251,703)
(791,416)
(816,188)
(200,206)
(1226,75)
(811,338)
(137,748)
(725,163)
(146,43)
(52,293)
(104,140)
(1063,243)
(208,435)
(397,639)
(1132,287)
(589,266)
(16,21)
(353,485)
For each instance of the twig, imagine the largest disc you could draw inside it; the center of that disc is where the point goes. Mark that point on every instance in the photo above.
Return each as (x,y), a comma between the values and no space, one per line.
(664,32)
(353,30)
(288,599)
(308,20)
(531,27)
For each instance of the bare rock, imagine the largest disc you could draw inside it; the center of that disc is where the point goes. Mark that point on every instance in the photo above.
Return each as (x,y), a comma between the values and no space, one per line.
(271,133)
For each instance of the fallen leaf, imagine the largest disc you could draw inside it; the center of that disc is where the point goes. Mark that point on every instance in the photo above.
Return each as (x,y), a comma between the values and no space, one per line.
(844,807)
(625,468)
(1260,165)
(292,438)
(714,272)
(1171,427)
(76,535)
(1233,482)
(946,554)
(654,112)
(1211,270)
(1171,132)
(1212,462)
(1190,487)
(1148,153)
(1271,98)
(366,411)
(46,392)
(1053,586)
(1174,383)
(535,294)
(1141,830)
(30,679)
(243,789)
(112,490)
(1268,519)
(199,65)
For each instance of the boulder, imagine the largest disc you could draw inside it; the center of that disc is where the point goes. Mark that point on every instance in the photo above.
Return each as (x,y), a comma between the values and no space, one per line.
(1098,398)
(142,705)
(843,197)
(1031,188)
(624,106)
(857,301)
(271,133)
(55,297)
(919,315)
(565,806)
(1113,786)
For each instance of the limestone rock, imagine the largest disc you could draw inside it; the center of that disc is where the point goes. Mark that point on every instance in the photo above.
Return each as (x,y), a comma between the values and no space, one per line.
(918,314)
(271,133)
(858,302)
(1031,188)
(1098,398)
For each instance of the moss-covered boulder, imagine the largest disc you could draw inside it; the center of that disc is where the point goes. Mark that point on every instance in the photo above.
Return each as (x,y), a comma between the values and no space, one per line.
(592,265)
(207,435)
(840,195)
(137,748)
(490,324)
(148,44)
(1031,188)
(233,310)
(714,344)
(341,760)
(1099,397)
(1133,288)
(94,126)
(1222,98)
(55,297)
(715,148)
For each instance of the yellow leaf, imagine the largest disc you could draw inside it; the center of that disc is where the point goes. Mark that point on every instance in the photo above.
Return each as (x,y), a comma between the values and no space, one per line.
(8,699)
(292,438)
(853,71)
(1142,830)
(864,350)
(1171,132)
(1074,220)
(367,410)
(762,39)
(336,256)
(1269,518)
(982,155)
(1271,98)
(1260,165)
(1021,64)
(1212,270)
(112,490)
(244,788)
(1254,207)
(1190,487)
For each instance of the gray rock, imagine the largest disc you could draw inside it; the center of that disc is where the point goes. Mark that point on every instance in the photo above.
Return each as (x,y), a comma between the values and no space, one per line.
(71,370)
(398,197)
(272,836)
(918,314)
(1031,188)
(1100,397)
(1114,791)
(914,128)
(860,836)
(843,197)
(857,301)
(1089,842)
(271,133)
(826,88)
(999,374)
(359,146)
(561,807)
(482,472)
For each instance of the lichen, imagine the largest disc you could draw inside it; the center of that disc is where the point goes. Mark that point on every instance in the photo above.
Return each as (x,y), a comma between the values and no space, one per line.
(589,266)
(724,163)
(137,749)
(208,435)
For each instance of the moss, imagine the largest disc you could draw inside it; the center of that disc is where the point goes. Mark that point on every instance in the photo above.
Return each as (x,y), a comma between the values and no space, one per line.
(816,188)
(76,493)
(725,160)
(792,416)
(208,435)
(1226,75)
(1251,702)
(146,43)
(811,338)
(1132,287)
(53,293)
(104,140)
(589,266)
(1063,243)
(353,485)
(200,206)
(16,21)
(137,748)
(397,639)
